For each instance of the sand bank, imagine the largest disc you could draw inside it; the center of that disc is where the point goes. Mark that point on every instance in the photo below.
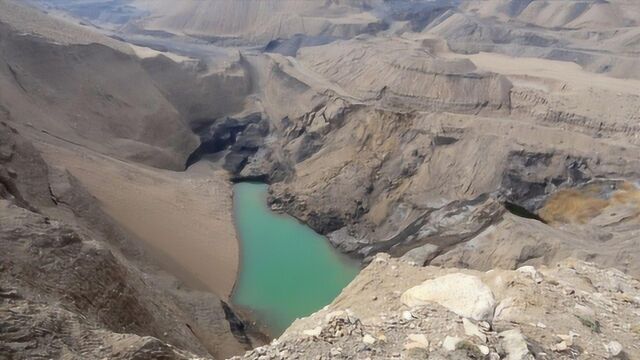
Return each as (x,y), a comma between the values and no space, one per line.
(187,217)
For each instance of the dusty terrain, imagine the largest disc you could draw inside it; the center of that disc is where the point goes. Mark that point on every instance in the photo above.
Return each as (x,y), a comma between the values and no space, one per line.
(95,234)
(95,123)
(484,135)
(151,204)
(574,310)
(73,278)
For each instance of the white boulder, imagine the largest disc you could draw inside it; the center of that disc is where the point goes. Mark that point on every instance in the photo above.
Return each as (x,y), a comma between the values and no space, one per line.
(465,295)
(515,345)
(614,348)
(450,343)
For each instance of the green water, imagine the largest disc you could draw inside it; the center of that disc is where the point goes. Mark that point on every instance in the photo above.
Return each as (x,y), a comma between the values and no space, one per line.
(287,270)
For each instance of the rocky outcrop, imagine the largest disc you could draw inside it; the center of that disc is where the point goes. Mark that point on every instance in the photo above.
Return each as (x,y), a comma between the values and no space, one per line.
(567,311)
(579,221)
(258,22)
(36,330)
(409,187)
(23,173)
(200,92)
(91,288)
(421,255)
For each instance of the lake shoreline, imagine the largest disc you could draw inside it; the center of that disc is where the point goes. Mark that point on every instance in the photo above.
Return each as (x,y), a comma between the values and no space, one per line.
(286,270)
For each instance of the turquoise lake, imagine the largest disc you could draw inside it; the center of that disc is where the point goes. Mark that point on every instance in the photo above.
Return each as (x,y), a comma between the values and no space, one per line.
(286,269)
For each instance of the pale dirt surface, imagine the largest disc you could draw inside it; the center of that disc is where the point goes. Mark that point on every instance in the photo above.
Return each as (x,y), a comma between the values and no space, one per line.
(171,231)
(145,52)
(99,118)
(75,284)
(568,72)
(185,216)
(30,21)
(254,21)
(572,310)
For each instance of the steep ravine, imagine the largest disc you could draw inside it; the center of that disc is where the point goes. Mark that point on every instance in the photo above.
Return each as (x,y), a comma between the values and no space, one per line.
(74,281)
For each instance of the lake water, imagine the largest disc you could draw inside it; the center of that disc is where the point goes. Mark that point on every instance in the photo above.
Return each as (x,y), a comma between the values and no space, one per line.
(286,270)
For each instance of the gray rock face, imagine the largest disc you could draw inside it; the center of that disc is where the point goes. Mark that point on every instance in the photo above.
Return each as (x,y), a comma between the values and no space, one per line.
(73,336)
(23,172)
(420,255)
(404,191)
(61,266)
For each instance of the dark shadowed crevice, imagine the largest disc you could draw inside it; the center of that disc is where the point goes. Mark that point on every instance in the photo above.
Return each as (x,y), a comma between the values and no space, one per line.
(216,143)
(443,140)
(260,178)
(236,325)
(241,136)
(520,211)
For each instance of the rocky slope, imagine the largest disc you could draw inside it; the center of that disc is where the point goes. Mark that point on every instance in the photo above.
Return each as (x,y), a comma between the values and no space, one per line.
(84,278)
(574,310)
(376,174)
(257,22)
(67,98)
(602,36)
(406,75)
(75,284)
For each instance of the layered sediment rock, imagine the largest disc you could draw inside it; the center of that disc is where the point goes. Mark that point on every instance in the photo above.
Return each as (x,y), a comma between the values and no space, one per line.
(407,75)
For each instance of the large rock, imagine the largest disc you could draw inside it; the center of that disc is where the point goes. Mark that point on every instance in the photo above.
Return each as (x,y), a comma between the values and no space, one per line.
(420,255)
(514,345)
(465,295)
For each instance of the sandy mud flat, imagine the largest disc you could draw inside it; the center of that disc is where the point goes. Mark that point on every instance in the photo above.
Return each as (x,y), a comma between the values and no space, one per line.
(185,217)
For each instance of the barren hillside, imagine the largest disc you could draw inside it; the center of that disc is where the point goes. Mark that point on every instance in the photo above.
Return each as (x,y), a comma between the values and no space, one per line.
(89,135)
(486,140)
